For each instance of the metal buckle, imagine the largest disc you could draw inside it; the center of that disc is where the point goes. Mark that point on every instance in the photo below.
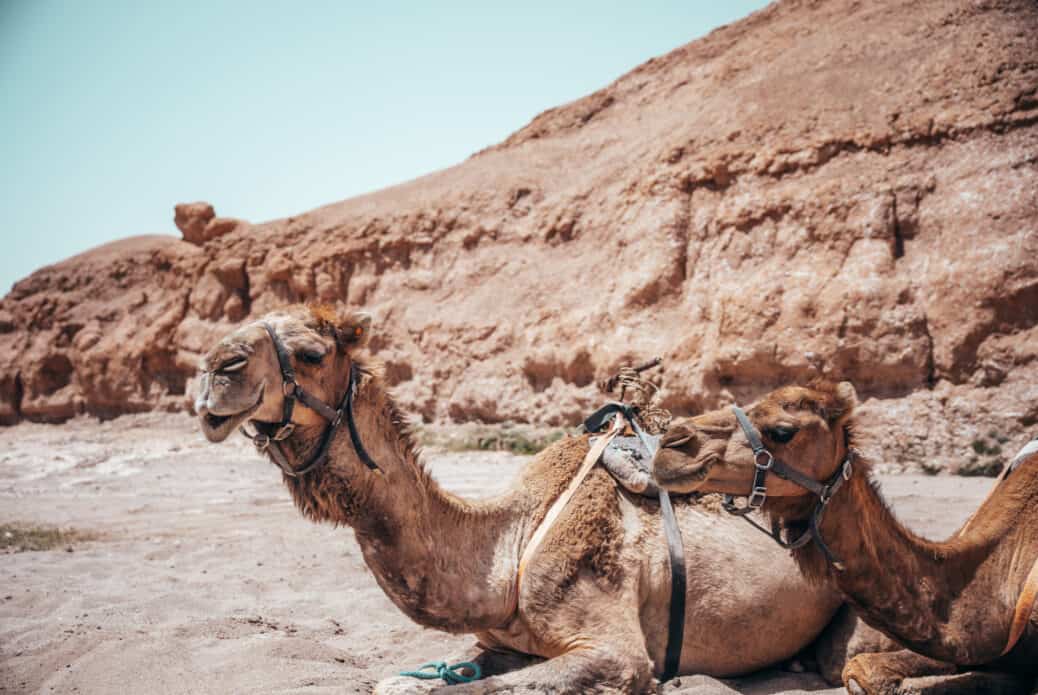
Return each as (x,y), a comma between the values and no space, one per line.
(847,469)
(285,431)
(288,388)
(757,497)
(756,459)
(261,441)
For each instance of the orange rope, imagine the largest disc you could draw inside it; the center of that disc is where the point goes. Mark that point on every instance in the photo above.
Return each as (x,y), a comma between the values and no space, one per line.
(560,503)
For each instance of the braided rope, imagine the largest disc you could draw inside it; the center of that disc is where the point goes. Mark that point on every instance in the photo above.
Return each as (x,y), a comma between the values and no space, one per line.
(633,389)
(451,675)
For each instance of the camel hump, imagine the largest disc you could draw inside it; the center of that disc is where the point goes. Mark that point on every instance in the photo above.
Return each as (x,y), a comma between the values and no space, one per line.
(1029,450)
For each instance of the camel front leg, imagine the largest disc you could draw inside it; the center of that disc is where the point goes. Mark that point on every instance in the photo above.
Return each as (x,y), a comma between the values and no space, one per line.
(595,669)
(844,638)
(907,673)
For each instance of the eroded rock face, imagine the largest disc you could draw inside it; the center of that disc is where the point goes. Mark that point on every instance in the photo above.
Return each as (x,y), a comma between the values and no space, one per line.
(841,188)
(198,222)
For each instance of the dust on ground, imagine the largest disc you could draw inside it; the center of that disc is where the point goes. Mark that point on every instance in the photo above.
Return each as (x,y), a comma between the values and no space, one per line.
(184,568)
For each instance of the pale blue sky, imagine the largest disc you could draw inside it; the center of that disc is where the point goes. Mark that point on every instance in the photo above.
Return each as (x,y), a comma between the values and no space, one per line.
(112,112)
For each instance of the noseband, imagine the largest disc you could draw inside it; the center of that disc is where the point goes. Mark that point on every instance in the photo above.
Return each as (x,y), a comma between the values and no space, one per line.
(763,463)
(292,392)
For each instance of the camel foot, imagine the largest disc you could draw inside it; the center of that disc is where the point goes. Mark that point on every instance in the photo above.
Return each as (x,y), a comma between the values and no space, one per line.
(884,673)
(844,638)
(854,688)
(908,673)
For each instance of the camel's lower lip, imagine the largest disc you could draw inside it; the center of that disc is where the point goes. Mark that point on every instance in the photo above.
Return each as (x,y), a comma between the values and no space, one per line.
(214,421)
(217,428)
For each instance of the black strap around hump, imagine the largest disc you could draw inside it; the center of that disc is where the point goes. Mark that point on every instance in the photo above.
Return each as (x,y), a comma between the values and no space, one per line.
(678,580)
(676,622)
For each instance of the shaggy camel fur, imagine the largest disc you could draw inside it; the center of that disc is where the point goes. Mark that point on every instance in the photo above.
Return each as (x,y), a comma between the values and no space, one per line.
(952,602)
(591,615)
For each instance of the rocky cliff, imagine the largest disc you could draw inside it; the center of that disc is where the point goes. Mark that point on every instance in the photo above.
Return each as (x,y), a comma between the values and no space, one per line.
(841,187)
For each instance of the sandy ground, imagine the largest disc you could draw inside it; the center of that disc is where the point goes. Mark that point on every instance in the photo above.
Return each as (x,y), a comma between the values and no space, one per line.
(204,579)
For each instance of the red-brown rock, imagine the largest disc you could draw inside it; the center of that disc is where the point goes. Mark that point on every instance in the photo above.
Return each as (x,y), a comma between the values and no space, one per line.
(843,188)
(191,219)
(198,222)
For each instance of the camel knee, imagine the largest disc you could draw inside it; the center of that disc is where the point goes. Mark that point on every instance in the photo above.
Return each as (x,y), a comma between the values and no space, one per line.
(625,671)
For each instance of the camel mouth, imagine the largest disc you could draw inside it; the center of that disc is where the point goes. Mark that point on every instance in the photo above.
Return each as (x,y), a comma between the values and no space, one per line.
(217,427)
(681,473)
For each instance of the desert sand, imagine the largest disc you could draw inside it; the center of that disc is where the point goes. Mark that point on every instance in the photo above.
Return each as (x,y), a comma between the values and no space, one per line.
(201,577)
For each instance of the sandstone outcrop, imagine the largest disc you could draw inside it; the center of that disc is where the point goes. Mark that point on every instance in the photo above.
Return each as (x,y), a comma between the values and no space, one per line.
(198,222)
(843,188)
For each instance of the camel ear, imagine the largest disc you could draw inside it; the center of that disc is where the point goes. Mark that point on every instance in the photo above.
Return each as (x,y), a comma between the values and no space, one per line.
(352,330)
(846,402)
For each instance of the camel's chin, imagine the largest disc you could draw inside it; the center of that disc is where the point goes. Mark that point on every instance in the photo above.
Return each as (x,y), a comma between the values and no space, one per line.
(217,428)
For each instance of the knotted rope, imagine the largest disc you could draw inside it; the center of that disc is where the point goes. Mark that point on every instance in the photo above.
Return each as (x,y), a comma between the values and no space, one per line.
(637,391)
(451,675)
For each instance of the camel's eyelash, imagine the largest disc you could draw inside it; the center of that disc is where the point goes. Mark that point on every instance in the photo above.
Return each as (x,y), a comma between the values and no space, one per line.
(310,357)
(782,435)
(233,366)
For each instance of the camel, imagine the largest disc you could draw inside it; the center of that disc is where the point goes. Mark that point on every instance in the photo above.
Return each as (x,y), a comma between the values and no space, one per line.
(951,603)
(591,613)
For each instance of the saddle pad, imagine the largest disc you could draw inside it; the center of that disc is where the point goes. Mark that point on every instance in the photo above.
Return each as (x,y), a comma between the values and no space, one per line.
(630,463)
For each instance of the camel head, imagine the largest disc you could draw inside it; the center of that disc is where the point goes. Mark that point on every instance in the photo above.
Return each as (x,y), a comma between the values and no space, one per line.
(802,426)
(240,378)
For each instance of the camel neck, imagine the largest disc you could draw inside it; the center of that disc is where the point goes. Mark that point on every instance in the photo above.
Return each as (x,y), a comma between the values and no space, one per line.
(446,562)
(933,597)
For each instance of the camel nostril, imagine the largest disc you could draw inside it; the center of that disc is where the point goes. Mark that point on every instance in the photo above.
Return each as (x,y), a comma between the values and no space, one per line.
(677,442)
(677,436)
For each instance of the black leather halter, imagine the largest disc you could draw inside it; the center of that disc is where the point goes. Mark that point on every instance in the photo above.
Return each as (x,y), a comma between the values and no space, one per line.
(764,462)
(292,392)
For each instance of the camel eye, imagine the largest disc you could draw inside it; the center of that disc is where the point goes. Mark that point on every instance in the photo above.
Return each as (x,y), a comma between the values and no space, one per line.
(781,435)
(310,356)
(233,365)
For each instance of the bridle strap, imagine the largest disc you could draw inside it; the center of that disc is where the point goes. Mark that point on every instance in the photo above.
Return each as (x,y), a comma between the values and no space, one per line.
(764,462)
(288,375)
(351,423)
(293,391)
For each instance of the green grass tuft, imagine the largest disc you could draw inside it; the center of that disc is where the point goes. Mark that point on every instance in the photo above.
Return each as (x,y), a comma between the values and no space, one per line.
(21,538)
(516,439)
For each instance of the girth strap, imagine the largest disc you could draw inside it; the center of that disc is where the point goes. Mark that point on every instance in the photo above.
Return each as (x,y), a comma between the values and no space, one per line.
(678,577)
(678,589)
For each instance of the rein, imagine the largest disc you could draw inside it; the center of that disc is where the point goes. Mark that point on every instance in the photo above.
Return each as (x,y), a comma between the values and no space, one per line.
(292,392)
(764,462)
